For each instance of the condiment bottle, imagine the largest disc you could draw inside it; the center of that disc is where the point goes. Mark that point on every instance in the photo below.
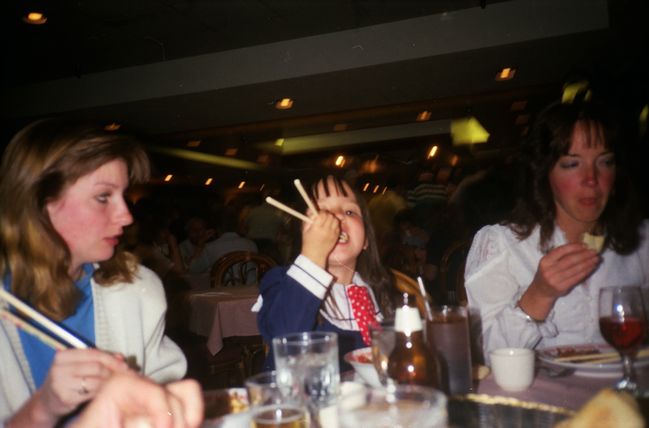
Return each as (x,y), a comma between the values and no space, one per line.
(411,361)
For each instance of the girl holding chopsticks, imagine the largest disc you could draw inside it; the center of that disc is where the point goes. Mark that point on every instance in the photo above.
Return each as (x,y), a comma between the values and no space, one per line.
(337,283)
(61,217)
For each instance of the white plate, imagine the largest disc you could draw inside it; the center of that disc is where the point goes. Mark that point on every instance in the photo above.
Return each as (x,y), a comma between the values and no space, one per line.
(586,369)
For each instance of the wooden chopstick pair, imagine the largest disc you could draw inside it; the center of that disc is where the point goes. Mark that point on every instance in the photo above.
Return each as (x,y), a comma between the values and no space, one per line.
(58,337)
(598,357)
(291,211)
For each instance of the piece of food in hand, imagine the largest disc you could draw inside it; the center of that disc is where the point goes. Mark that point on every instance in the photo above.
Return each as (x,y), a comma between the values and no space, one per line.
(593,242)
(607,409)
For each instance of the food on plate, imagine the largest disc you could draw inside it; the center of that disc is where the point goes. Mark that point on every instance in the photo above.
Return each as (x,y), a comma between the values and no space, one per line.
(571,351)
(593,242)
(607,409)
(365,357)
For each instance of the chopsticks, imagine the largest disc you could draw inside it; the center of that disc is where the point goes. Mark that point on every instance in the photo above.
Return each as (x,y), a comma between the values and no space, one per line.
(291,211)
(28,328)
(288,210)
(598,357)
(65,338)
(305,196)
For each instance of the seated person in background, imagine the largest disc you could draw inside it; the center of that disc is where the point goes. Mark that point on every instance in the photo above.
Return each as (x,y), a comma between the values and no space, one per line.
(229,240)
(130,400)
(192,249)
(66,184)
(532,278)
(263,224)
(155,246)
(338,267)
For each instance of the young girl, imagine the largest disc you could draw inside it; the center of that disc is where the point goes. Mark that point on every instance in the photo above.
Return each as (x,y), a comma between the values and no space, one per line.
(337,282)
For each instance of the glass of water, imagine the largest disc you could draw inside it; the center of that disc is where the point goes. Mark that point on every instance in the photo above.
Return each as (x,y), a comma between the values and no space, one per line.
(402,406)
(307,367)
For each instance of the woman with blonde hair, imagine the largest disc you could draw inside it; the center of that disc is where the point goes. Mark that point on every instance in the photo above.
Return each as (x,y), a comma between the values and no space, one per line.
(62,214)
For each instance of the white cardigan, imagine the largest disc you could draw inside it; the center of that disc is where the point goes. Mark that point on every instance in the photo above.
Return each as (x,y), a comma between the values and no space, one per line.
(129,319)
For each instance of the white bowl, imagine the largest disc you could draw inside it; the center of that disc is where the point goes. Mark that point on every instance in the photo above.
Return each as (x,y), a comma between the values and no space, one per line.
(361,361)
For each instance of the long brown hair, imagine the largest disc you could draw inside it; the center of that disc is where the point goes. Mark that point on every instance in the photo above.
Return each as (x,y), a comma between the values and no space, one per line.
(550,139)
(38,165)
(368,263)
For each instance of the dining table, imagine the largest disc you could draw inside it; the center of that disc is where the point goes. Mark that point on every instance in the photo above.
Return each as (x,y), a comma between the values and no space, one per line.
(223,312)
(553,396)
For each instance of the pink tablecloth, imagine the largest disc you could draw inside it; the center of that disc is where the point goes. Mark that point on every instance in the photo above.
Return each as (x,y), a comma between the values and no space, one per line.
(223,313)
(570,392)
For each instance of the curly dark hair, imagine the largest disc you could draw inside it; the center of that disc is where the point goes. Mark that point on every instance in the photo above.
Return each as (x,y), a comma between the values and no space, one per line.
(550,139)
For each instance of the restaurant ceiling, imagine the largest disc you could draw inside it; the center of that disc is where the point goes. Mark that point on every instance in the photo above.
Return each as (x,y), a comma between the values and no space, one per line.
(181,71)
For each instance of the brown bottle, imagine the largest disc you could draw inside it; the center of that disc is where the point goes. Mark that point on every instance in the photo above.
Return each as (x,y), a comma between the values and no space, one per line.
(411,362)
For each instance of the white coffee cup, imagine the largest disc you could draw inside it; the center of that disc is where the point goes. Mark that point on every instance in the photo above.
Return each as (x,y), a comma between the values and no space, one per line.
(513,368)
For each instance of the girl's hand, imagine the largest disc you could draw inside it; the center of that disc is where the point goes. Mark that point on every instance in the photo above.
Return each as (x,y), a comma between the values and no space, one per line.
(320,237)
(559,271)
(75,377)
(130,400)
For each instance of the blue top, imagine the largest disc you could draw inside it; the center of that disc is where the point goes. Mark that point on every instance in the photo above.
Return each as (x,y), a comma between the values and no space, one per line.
(289,307)
(82,324)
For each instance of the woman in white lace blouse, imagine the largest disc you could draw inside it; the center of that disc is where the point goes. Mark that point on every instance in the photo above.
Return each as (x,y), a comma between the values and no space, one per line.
(531,278)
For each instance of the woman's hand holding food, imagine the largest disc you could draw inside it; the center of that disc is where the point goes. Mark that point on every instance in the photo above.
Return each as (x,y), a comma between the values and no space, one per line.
(558,272)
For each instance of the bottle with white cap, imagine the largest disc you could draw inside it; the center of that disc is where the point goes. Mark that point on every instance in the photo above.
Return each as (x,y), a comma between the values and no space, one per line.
(411,361)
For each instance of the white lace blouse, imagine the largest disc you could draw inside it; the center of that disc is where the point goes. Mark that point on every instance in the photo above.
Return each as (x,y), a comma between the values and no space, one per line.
(499,269)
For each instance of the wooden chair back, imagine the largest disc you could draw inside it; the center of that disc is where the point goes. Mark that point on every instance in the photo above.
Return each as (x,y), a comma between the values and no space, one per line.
(451,271)
(406,284)
(240,268)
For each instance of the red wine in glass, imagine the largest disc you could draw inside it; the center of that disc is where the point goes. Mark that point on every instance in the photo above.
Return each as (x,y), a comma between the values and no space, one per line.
(624,334)
(623,323)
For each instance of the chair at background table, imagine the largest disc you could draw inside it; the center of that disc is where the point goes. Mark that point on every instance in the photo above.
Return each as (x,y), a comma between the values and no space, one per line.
(451,271)
(240,268)
(406,284)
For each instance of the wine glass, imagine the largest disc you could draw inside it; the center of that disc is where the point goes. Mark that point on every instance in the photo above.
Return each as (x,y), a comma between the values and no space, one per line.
(623,323)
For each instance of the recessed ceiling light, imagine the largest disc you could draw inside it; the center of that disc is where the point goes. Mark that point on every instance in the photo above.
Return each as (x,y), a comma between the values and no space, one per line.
(241,185)
(35,18)
(432,152)
(169,177)
(284,104)
(208,181)
(423,116)
(506,73)
(112,127)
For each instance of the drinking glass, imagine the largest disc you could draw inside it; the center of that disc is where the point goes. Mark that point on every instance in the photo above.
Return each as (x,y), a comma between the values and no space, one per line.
(403,406)
(383,339)
(307,367)
(623,323)
(263,389)
(279,416)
